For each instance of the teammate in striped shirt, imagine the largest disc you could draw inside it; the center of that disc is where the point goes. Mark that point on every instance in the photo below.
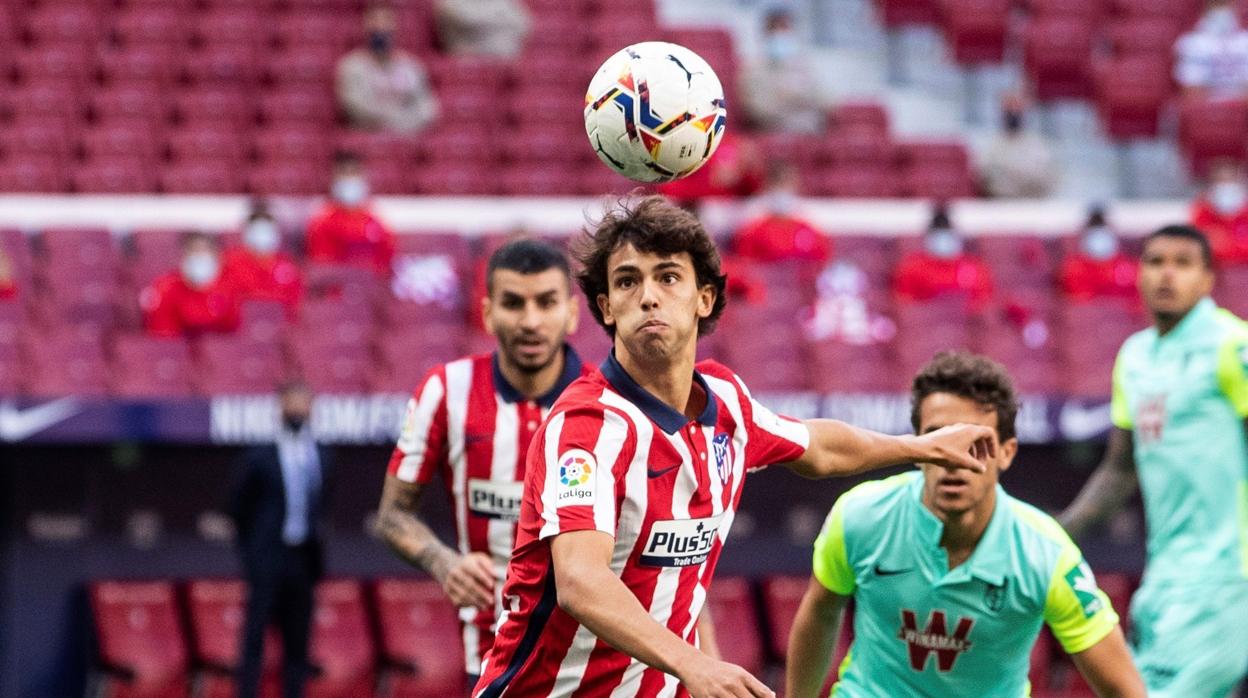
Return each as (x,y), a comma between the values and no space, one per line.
(633,483)
(471,420)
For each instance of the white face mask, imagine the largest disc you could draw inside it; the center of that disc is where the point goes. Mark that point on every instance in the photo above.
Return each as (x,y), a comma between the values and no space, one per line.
(200,269)
(1220,20)
(1227,197)
(943,243)
(781,46)
(262,237)
(781,203)
(1100,243)
(350,191)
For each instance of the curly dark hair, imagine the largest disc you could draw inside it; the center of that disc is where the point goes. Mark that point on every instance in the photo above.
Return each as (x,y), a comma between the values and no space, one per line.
(971,376)
(654,225)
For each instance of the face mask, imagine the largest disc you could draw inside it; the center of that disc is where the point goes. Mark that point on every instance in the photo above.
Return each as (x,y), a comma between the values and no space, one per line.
(943,243)
(781,203)
(781,46)
(294,422)
(1100,243)
(200,269)
(380,42)
(350,191)
(1227,197)
(1013,122)
(1220,20)
(262,237)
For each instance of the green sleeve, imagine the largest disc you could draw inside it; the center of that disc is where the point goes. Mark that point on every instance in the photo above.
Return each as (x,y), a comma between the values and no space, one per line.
(1119,410)
(831,559)
(1077,611)
(1233,370)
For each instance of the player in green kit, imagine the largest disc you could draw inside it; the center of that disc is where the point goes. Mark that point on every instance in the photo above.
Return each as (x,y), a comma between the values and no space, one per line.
(951,577)
(1180,398)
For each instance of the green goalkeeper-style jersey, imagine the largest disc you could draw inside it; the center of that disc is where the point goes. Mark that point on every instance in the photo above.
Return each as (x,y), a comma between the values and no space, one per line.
(1184,396)
(921,629)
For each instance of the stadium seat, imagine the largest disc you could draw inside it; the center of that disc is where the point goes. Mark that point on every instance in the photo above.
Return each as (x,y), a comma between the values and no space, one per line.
(837,367)
(1119,587)
(330,367)
(406,355)
(311,66)
(150,367)
(298,31)
(126,139)
(1153,36)
(899,13)
(147,62)
(1232,291)
(45,173)
(76,248)
(240,26)
(231,105)
(148,24)
(289,176)
(1057,57)
(206,142)
(975,30)
(937,182)
(858,145)
(1130,94)
(1023,259)
(222,65)
(925,328)
(201,177)
(141,647)
(117,174)
(781,598)
(1081,9)
(1211,129)
(854,182)
(11,369)
(342,641)
(216,609)
(72,62)
(1185,11)
(233,364)
(63,23)
(37,100)
(64,362)
(49,137)
(731,603)
(312,105)
(263,321)
(422,651)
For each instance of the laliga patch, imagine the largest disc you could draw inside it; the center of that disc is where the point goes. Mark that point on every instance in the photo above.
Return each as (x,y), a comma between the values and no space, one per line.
(576,477)
(680,543)
(723,457)
(495,500)
(409,422)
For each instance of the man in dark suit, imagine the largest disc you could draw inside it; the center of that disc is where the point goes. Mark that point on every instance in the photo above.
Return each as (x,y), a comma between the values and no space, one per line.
(276,502)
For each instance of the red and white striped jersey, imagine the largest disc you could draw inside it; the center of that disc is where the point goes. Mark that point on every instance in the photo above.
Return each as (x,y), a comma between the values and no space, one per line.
(614,458)
(467,422)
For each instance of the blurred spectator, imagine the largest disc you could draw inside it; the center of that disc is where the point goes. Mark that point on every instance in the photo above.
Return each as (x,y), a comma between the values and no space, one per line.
(1221,212)
(483,27)
(194,299)
(780,90)
(735,170)
(258,268)
(942,267)
(841,311)
(1018,164)
(780,233)
(1212,59)
(8,284)
(1098,269)
(383,88)
(345,231)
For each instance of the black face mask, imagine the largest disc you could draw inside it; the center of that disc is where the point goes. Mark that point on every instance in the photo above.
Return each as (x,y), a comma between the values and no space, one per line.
(1013,121)
(380,42)
(294,422)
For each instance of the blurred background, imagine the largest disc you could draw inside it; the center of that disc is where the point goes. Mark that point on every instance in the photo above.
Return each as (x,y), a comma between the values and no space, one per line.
(203,198)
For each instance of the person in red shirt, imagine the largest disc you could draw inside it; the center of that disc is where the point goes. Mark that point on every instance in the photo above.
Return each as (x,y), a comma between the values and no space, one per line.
(780,233)
(345,231)
(734,171)
(942,267)
(258,268)
(1098,269)
(194,299)
(1221,212)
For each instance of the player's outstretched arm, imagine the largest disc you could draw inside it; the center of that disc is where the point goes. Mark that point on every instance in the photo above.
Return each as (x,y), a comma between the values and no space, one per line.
(592,594)
(1108,668)
(838,449)
(1108,488)
(812,640)
(468,580)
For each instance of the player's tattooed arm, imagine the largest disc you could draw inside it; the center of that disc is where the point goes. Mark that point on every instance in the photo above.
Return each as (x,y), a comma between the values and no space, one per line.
(1108,667)
(468,580)
(1107,490)
(838,449)
(812,640)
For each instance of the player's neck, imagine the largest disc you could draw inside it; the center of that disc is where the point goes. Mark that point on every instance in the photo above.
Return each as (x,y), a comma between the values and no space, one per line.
(670,379)
(535,384)
(963,531)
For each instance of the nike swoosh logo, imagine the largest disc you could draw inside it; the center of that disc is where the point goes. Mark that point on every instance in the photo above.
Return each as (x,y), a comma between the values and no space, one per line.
(660,473)
(888,573)
(16,425)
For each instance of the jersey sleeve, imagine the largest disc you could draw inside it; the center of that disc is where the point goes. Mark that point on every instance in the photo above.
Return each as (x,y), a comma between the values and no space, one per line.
(580,456)
(1076,610)
(1119,408)
(422,446)
(1233,370)
(831,560)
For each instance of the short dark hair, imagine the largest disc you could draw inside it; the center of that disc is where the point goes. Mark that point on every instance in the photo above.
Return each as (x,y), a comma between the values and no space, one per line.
(655,225)
(526,256)
(971,376)
(191,236)
(1185,232)
(345,158)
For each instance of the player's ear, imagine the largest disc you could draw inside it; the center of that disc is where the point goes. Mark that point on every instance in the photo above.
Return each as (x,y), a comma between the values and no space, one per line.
(706,300)
(1006,452)
(574,315)
(486,310)
(604,307)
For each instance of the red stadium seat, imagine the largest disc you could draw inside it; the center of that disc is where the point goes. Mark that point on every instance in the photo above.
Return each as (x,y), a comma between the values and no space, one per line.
(975,30)
(731,603)
(1023,259)
(843,368)
(120,139)
(201,177)
(263,321)
(1130,94)
(553,179)
(858,145)
(63,23)
(305,65)
(146,25)
(72,62)
(150,367)
(938,182)
(855,182)
(1186,11)
(233,364)
(35,138)
(781,598)
(925,328)
(206,142)
(1232,290)
(41,99)
(330,367)
(1041,664)
(464,178)
(156,251)
(240,26)
(342,641)
(78,248)
(46,173)
(64,363)
(289,176)
(11,370)
(286,143)
(1081,9)
(421,649)
(303,105)
(1057,56)
(1149,35)
(222,65)
(216,612)
(142,651)
(116,174)
(299,31)
(408,352)
(130,102)
(1210,129)
(1119,588)
(900,13)
(232,105)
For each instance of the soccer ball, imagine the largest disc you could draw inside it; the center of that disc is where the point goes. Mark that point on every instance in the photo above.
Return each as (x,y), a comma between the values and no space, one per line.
(655,112)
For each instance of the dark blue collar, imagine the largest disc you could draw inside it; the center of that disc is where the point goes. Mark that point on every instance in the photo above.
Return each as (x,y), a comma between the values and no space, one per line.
(571,371)
(669,420)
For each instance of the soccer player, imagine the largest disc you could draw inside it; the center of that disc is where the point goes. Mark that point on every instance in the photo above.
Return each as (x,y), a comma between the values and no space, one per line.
(472,420)
(951,577)
(633,483)
(1180,398)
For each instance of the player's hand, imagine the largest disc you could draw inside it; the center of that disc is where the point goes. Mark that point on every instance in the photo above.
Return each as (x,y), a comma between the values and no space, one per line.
(960,446)
(470,581)
(711,678)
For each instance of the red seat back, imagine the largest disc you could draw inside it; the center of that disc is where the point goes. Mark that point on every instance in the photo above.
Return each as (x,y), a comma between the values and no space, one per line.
(733,613)
(420,632)
(342,644)
(139,631)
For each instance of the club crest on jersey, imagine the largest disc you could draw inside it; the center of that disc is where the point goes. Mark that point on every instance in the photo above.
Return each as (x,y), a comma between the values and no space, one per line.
(680,543)
(935,638)
(576,481)
(723,457)
(994,596)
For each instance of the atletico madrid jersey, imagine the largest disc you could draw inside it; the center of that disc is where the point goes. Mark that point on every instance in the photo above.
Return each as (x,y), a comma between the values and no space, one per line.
(468,423)
(614,458)
(921,629)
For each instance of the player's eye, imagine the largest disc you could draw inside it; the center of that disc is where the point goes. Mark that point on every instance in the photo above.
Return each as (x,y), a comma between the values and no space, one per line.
(624,282)
(670,278)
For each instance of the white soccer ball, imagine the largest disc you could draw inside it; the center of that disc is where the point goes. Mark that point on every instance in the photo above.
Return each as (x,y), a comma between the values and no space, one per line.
(655,112)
